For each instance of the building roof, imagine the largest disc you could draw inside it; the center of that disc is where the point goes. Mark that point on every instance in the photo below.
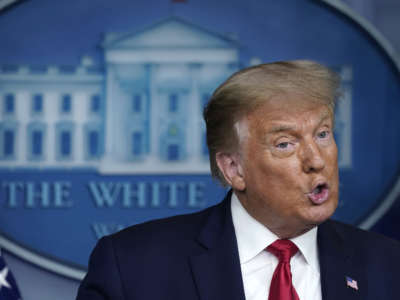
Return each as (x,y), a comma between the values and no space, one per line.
(172,32)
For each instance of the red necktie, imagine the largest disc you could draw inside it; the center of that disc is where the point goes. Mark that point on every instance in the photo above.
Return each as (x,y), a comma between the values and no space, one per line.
(281,283)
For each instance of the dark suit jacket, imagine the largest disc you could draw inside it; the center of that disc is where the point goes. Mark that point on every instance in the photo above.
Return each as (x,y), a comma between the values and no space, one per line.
(196,257)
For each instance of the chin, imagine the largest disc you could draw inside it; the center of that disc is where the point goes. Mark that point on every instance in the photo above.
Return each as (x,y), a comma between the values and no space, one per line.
(318,214)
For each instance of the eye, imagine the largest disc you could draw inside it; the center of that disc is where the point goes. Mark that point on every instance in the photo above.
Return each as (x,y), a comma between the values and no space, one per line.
(283,145)
(323,134)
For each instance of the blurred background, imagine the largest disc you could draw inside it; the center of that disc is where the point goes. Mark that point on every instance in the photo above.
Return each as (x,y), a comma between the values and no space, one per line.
(358,38)
(384,15)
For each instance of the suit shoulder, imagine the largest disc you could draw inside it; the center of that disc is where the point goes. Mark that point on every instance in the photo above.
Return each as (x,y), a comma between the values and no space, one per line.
(180,227)
(364,238)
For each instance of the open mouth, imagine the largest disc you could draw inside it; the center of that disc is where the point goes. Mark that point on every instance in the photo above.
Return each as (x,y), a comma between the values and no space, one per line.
(319,194)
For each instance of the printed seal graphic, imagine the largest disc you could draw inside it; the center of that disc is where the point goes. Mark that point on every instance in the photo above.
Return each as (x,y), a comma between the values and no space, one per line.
(101,127)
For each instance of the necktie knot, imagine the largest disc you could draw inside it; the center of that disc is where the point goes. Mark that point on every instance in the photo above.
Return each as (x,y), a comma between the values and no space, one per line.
(283,250)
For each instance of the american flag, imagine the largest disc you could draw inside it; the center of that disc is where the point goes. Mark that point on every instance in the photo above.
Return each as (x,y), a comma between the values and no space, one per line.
(351,283)
(8,286)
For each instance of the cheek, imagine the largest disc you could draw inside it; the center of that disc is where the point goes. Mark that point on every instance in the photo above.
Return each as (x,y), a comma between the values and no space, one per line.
(265,170)
(331,159)
(282,178)
(333,151)
(288,171)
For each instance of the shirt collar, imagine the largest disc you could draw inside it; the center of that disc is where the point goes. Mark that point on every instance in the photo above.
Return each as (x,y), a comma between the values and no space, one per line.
(253,237)
(307,244)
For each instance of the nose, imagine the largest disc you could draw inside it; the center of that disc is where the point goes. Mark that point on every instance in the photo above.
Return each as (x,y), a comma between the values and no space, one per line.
(311,156)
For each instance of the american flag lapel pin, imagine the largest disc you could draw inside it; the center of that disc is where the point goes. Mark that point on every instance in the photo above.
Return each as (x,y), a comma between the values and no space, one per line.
(350,282)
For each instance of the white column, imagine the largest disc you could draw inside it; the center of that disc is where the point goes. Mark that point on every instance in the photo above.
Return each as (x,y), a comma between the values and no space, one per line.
(22,117)
(52,116)
(109,115)
(79,118)
(154,116)
(194,121)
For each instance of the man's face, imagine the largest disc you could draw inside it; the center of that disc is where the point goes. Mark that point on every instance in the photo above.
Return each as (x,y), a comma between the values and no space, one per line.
(288,164)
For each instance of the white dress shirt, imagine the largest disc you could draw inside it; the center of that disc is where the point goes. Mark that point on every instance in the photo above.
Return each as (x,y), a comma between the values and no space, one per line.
(258,265)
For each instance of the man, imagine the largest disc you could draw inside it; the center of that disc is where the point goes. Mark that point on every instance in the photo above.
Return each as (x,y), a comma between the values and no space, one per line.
(270,138)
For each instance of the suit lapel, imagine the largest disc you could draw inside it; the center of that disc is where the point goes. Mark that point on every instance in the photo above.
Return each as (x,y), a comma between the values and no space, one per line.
(217,273)
(336,262)
(217,270)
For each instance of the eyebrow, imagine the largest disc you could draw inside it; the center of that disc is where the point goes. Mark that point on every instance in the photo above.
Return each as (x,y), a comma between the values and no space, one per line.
(286,128)
(281,128)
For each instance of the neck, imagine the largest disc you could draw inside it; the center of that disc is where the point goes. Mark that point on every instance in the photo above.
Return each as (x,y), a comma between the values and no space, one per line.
(281,228)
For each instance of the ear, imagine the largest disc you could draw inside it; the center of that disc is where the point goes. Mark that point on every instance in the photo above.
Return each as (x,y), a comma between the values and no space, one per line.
(230,166)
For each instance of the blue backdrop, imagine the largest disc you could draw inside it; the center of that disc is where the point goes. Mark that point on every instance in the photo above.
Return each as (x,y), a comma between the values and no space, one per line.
(100,116)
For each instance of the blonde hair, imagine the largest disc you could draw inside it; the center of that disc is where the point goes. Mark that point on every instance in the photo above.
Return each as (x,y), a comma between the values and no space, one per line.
(249,88)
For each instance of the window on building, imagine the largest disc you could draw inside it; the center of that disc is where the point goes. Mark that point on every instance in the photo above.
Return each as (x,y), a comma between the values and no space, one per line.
(137,103)
(65,140)
(173,103)
(95,104)
(65,143)
(37,142)
(137,141)
(93,143)
(93,140)
(66,104)
(9,142)
(37,103)
(9,104)
(173,152)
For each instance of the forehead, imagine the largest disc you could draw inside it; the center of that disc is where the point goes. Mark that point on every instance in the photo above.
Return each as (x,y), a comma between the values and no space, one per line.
(295,109)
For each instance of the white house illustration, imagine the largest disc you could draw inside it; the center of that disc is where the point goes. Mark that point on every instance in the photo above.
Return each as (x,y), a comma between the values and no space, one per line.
(140,112)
